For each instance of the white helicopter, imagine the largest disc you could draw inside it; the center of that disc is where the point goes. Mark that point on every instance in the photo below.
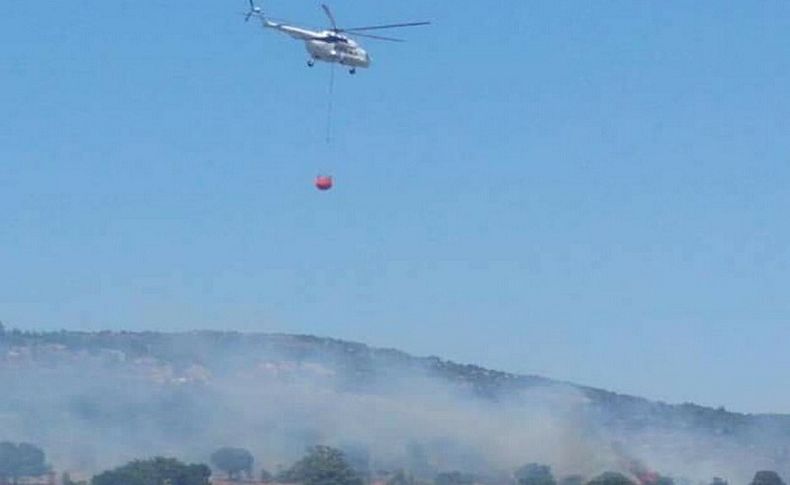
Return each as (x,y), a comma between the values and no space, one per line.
(330,45)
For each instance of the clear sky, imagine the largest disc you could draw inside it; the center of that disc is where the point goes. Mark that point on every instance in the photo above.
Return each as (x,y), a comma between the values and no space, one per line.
(592,191)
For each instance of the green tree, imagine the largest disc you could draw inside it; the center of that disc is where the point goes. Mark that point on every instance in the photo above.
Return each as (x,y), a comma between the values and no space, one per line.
(400,478)
(767,477)
(664,480)
(65,479)
(266,477)
(358,457)
(19,460)
(233,461)
(611,478)
(453,478)
(718,481)
(534,474)
(572,480)
(156,471)
(322,465)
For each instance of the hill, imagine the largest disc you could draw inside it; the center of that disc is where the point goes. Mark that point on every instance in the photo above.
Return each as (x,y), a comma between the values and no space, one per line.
(95,399)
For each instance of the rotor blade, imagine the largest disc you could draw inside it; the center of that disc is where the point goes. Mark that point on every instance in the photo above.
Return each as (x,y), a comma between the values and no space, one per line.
(390,26)
(253,11)
(328,14)
(377,37)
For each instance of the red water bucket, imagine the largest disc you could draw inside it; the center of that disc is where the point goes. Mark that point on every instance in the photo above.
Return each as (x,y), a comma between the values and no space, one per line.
(323,182)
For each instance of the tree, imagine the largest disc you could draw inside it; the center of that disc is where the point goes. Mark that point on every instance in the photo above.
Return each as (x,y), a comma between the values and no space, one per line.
(611,478)
(572,480)
(233,461)
(65,479)
(21,460)
(266,477)
(718,481)
(534,474)
(767,477)
(358,457)
(322,465)
(156,471)
(453,478)
(400,478)
(664,480)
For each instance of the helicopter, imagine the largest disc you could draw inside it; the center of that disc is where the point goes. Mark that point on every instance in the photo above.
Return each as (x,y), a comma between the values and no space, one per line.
(331,45)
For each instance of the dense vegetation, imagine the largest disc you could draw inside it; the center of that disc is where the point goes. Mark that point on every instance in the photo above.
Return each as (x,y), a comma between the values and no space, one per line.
(156,471)
(233,461)
(321,465)
(534,474)
(19,460)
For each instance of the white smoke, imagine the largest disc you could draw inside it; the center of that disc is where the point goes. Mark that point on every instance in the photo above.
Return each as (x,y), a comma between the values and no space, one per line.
(91,407)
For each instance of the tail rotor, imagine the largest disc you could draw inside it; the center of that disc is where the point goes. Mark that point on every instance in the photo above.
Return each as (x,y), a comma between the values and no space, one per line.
(254,11)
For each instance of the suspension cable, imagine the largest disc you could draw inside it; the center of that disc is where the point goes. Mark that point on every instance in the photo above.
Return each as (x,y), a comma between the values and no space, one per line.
(329,104)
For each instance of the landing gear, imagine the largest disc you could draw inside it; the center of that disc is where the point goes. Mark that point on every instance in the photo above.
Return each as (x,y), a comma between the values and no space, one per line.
(310,63)
(352,71)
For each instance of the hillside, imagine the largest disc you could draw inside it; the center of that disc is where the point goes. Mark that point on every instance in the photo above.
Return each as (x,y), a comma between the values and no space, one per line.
(93,398)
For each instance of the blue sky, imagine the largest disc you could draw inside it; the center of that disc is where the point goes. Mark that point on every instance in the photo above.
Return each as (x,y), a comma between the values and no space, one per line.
(592,191)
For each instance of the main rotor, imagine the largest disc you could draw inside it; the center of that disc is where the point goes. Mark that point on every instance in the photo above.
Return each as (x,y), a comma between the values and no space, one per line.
(360,31)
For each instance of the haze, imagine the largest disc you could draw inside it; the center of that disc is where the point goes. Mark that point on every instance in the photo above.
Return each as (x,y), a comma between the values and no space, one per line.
(98,400)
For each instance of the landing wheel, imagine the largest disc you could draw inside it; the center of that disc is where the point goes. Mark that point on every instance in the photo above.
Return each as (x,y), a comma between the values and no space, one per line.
(310,63)
(352,71)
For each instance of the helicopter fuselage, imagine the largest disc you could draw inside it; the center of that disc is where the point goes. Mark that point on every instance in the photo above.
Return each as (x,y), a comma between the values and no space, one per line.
(326,45)
(339,49)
